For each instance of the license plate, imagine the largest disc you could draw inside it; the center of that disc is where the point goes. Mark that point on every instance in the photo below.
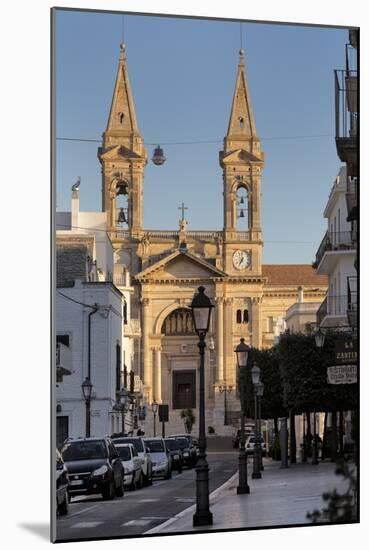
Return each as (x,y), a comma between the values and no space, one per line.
(76,482)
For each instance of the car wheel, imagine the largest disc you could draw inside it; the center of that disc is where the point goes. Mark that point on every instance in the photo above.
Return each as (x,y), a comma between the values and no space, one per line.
(179,469)
(120,490)
(63,508)
(108,492)
(168,475)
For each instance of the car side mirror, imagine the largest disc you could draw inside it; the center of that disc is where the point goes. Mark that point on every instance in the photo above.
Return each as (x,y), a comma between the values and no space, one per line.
(59,466)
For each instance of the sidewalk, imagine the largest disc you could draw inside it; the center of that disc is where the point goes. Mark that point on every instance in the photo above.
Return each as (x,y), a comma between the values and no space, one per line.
(281,497)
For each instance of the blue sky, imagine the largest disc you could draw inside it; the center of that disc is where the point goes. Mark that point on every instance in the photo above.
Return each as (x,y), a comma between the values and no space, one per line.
(182,73)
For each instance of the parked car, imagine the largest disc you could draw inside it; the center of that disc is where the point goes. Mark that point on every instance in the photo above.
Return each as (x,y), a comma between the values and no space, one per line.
(94,467)
(250,445)
(160,455)
(62,486)
(236,438)
(192,445)
(146,462)
(189,455)
(131,464)
(175,453)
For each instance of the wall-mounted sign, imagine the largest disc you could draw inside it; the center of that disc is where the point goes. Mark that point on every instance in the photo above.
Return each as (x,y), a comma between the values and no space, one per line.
(345,352)
(95,413)
(342,374)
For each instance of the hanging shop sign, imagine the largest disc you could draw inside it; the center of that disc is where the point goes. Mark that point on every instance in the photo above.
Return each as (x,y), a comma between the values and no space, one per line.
(345,352)
(342,374)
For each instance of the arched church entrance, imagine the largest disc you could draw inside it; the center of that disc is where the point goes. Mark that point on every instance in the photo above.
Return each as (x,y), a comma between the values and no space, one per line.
(179,360)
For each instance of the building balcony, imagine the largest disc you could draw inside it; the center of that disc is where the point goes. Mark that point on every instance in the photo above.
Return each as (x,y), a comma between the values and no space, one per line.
(333,311)
(351,198)
(63,361)
(322,311)
(332,243)
(346,94)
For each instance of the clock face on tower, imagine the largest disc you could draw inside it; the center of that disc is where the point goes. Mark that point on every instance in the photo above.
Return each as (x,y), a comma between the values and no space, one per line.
(241,259)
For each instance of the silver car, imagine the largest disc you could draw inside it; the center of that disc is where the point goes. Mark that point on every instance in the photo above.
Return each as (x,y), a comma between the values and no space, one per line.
(160,456)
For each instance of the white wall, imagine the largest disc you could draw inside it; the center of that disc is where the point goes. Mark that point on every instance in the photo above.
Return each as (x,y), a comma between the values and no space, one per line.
(72,319)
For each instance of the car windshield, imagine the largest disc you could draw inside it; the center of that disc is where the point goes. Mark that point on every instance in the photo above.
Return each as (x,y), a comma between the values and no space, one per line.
(137,443)
(84,450)
(172,444)
(124,452)
(156,446)
(183,443)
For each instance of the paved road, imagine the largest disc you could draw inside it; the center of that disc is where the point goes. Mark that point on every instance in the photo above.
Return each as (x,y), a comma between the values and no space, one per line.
(139,511)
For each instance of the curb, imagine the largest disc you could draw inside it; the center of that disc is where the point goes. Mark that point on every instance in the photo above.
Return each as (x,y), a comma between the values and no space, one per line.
(213,497)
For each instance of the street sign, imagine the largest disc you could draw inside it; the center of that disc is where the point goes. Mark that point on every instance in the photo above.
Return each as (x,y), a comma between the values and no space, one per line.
(342,374)
(345,352)
(163,413)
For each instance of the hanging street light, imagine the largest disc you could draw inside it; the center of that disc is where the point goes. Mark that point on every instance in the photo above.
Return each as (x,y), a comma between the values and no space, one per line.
(242,353)
(201,307)
(158,157)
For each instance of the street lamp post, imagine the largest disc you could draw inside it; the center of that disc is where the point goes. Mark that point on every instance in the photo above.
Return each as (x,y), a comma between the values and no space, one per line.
(225,389)
(304,458)
(201,311)
(87,391)
(242,351)
(154,408)
(314,459)
(255,375)
(259,395)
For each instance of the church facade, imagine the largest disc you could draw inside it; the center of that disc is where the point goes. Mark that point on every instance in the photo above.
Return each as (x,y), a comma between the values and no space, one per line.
(167,266)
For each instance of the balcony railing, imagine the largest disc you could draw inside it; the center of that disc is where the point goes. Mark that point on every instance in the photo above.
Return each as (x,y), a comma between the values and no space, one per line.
(341,240)
(351,194)
(322,311)
(346,93)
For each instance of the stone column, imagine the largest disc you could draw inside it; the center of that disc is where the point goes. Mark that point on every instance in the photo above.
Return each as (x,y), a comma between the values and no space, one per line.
(146,351)
(219,338)
(256,322)
(229,360)
(158,374)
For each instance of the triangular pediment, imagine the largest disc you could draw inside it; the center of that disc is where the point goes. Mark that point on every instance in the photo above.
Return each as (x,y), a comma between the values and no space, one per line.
(117,152)
(180,265)
(240,155)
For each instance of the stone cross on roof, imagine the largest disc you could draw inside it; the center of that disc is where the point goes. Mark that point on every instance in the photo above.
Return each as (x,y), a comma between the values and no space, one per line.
(183,208)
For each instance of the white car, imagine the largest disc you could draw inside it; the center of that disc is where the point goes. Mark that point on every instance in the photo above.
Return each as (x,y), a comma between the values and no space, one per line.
(139,445)
(250,445)
(160,455)
(132,465)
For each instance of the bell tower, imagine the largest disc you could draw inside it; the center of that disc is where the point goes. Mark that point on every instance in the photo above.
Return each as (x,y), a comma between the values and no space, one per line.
(242,161)
(123,158)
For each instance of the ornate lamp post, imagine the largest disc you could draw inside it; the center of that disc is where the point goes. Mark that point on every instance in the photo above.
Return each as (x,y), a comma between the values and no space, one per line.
(124,409)
(319,338)
(259,395)
(87,391)
(154,408)
(255,375)
(201,311)
(314,459)
(225,389)
(242,352)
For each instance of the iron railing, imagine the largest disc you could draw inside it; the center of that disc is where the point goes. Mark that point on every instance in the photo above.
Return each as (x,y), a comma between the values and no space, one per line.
(322,311)
(339,240)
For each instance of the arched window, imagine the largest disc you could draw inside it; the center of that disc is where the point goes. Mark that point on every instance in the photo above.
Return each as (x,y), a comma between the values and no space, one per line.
(178,322)
(121,117)
(245,316)
(121,203)
(241,121)
(242,209)
(239,316)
